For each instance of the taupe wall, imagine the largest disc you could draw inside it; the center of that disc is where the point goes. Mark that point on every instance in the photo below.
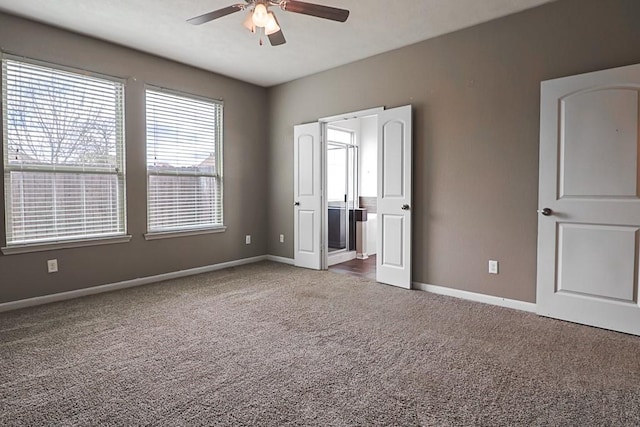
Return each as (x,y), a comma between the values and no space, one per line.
(476,115)
(245,179)
(476,104)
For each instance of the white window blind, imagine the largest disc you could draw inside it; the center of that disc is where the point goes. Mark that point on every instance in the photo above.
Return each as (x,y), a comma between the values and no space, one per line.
(63,154)
(184,162)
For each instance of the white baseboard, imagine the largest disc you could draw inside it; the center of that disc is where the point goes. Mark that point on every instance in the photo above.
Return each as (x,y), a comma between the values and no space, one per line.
(62,296)
(472,296)
(280,259)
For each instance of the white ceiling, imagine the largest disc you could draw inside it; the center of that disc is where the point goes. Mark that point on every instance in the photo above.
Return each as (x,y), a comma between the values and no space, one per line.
(224,46)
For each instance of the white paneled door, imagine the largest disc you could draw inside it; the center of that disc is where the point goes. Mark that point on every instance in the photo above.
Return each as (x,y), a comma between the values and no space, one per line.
(589,199)
(394,197)
(307,196)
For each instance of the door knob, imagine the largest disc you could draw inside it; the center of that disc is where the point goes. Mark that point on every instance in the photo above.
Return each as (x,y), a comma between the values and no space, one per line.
(296,204)
(405,207)
(545,212)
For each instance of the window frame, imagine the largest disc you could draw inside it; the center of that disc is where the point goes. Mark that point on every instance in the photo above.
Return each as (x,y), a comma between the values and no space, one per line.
(218,176)
(71,241)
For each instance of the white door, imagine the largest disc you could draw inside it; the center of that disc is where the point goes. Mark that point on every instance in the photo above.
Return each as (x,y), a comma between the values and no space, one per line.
(394,197)
(589,222)
(307,196)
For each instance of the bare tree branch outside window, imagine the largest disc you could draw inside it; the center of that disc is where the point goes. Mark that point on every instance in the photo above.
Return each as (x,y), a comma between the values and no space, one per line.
(53,123)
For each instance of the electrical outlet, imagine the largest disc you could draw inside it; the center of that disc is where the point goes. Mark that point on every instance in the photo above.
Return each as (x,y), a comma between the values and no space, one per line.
(52,266)
(282,238)
(247,239)
(493,267)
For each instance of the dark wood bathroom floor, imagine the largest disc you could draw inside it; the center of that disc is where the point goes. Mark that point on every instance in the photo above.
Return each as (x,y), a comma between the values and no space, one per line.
(358,267)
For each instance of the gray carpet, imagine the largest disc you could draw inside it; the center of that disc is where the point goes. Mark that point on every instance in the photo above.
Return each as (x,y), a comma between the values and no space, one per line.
(273,345)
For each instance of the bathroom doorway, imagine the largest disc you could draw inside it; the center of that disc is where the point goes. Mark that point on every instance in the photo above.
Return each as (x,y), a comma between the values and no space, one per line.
(351,174)
(342,155)
(390,132)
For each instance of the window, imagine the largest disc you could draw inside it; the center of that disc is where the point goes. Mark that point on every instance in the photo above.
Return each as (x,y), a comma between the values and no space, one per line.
(63,154)
(341,166)
(184,162)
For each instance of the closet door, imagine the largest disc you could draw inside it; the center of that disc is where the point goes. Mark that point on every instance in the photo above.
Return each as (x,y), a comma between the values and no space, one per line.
(589,199)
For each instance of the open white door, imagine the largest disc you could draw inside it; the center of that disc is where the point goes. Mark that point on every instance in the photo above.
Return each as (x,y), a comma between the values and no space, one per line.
(394,197)
(307,196)
(589,199)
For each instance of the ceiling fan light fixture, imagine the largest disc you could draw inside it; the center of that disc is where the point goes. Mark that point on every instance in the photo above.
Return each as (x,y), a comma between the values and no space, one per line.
(248,23)
(271,26)
(260,15)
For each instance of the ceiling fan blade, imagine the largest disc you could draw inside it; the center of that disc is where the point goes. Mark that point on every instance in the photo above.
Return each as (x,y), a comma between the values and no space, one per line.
(276,39)
(215,14)
(317,10)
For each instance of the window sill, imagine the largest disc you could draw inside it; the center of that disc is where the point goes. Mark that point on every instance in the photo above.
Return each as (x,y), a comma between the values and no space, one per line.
(63,244)
(156,235)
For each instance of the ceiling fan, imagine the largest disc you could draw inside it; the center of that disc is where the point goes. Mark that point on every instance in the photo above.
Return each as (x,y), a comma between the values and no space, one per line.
(262,19)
